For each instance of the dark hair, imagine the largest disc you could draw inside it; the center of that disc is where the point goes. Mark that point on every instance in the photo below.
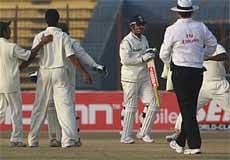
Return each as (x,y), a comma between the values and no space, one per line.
(52,17)
(64,27)
(185,14)
(4,26)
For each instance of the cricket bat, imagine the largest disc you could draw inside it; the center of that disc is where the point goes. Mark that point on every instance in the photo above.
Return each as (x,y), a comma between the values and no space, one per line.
(153,78)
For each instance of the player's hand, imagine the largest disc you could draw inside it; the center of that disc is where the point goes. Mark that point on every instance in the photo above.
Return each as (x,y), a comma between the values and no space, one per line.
(151,50)
(86,78)
(149,54)
(101,69)
(34,77)
(46,39)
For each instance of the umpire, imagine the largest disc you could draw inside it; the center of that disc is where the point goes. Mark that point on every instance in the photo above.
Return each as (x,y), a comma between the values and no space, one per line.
(183,47)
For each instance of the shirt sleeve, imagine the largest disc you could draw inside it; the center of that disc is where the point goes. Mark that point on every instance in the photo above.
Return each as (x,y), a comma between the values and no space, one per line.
(125,54)
(21,53)
(83,55)
(210,42)
(166,47)
(68,46)
(220,49)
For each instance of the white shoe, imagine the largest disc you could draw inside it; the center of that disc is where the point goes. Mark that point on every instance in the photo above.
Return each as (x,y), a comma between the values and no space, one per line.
(34,144)
(176,147)
(139,136)
(171,137)
(127,140)
(192,151)
(147,138)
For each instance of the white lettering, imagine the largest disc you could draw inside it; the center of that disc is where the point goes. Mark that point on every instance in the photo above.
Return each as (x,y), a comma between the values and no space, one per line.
(212,112)
(93,108)
(201,115)
(172,117)
(84,113)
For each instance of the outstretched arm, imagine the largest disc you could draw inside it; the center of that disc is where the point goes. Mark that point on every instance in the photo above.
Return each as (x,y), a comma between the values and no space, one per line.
(85,75)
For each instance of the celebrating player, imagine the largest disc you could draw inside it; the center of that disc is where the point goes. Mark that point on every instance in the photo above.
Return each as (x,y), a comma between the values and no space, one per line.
(10,94)
(136,82)
(54,128)
(53,81)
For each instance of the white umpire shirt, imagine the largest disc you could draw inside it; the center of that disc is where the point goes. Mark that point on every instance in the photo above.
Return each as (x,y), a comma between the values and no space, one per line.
(53,54)
(9,65)
(131,50)
(215,69)
(184,43)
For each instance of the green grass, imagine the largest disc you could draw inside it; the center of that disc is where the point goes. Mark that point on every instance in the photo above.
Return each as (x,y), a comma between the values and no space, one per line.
(106,146)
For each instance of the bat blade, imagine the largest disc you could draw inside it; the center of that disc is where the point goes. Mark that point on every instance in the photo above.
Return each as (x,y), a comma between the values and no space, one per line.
(153,80)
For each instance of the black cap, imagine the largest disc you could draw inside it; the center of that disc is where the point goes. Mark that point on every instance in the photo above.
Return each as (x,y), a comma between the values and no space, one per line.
(4,26)
(138,19)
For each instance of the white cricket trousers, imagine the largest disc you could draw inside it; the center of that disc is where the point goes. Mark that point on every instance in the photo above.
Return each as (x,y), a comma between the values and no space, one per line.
(54,82)
(131,92)
(54,128)
(12,100)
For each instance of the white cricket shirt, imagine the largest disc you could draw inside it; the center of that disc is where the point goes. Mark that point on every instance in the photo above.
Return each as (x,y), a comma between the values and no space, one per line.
(54,54)
(9,65)
(131,50)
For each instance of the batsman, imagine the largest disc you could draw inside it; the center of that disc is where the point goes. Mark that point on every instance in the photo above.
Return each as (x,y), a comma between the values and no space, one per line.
(135,80)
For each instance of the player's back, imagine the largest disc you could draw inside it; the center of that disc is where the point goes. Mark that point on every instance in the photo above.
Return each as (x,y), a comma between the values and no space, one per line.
(53,55)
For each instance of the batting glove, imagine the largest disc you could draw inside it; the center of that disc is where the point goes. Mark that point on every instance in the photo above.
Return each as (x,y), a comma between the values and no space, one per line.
(149,54)
(101,69)
(34,77)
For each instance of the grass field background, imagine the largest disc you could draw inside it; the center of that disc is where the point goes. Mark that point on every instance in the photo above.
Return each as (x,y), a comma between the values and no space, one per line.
(106,146)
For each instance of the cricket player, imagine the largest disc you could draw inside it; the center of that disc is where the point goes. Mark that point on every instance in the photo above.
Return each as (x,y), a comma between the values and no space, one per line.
(215,86)
(10,95)
(183,47)
(54,128)
(135,81)
(53,80)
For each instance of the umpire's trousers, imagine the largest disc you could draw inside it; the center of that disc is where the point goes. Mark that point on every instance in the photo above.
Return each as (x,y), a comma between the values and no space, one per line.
(187,82)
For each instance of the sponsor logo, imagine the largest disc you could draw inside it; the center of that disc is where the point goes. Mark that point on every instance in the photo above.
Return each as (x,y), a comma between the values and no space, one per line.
(107,113)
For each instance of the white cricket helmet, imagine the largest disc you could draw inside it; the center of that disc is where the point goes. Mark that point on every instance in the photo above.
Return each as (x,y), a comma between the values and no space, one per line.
(184,6)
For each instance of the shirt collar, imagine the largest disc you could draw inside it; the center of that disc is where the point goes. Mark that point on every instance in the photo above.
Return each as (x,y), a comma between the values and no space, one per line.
(184,20)
(53,29)
(134,36)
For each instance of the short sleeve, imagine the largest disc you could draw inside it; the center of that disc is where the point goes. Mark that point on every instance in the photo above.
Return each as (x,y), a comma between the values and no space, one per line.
(220,49)
(68,46)
(21,53)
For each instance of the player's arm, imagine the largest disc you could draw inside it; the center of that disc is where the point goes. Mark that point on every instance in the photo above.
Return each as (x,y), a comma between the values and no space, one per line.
(127,55)
(219,57)
(34,51)
(85,58)
(69,53)
(85,75)
(83,55)
(166,47)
